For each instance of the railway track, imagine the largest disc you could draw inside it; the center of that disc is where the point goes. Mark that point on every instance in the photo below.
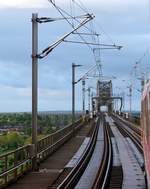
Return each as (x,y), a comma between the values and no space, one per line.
(112,167)
(112,135)
(72,178)
(132,160)
(100,138)
(137,130)
(52,167)
(103,177)
(130,131)
(116,166)
(100,179)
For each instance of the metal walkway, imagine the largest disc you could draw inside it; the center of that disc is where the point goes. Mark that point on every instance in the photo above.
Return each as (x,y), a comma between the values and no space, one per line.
(88,178)
(133,176)
(53,166)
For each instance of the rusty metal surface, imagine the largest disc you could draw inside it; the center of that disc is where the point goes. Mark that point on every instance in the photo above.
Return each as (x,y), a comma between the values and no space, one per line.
(116,178)
(51,169)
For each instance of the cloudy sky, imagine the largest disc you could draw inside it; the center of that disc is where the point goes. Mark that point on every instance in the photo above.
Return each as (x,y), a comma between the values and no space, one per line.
(125,23)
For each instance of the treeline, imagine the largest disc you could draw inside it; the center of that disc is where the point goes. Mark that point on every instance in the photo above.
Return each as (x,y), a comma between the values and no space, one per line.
(11,141)
(46,123)
(19,128)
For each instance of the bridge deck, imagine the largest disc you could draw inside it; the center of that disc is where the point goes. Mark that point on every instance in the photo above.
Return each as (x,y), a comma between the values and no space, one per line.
(53,166)
(133,176)
(88,177)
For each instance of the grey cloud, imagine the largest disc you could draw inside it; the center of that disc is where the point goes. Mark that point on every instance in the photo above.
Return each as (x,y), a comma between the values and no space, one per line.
(125,21)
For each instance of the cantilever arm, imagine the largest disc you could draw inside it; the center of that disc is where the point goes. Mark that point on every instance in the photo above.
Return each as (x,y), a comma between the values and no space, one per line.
(46,51)
(104,46)
(46,19)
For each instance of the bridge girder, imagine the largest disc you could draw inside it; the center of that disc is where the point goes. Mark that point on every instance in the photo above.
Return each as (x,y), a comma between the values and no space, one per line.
(105,96)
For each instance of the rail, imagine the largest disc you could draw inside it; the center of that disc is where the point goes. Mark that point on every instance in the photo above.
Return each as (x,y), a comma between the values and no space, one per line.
(102,179)
(135,135)
(132,125)
(16,163)
(134,120)
(74,176)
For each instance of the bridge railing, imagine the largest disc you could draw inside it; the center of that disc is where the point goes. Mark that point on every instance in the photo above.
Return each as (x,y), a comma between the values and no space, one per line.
(132,118)
(15,163)
(49,144)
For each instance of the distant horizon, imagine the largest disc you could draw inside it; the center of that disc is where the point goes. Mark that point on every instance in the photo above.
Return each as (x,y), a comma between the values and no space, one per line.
(41,111)
(57,111)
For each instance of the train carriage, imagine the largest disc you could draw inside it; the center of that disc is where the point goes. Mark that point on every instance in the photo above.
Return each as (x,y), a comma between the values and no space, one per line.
(145,123)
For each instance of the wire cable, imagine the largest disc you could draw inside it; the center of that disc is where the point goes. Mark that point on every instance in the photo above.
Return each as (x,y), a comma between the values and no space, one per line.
(95,39)
(60,10)
(144,55)
(71,12)
(81,6)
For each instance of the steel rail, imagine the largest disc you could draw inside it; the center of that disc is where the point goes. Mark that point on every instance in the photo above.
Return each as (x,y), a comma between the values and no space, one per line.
(135,130)
(102,179)
(135,137)
(74,176)
(131,125)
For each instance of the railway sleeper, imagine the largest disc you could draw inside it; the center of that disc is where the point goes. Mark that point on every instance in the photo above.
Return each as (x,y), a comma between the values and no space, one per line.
(116,178)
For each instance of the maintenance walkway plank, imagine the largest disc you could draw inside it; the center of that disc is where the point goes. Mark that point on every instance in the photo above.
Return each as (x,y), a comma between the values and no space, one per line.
(133,176)
(53,166)
(91,171)
(73,162)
